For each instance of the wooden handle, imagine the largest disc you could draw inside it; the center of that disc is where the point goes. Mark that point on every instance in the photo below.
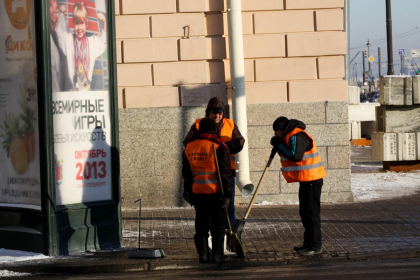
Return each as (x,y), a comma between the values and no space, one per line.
(221,185)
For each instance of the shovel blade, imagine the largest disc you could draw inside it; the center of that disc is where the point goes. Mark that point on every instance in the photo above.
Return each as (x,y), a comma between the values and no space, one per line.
(238,227)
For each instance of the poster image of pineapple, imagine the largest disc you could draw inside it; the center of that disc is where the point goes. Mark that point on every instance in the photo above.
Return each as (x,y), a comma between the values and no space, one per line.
(82,152)
(19,132)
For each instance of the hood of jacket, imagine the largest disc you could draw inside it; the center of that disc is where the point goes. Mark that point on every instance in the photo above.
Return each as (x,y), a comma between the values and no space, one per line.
(292,124)
(215,102)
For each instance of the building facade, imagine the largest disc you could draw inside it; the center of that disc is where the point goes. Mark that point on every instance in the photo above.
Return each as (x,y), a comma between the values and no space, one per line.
(173,56)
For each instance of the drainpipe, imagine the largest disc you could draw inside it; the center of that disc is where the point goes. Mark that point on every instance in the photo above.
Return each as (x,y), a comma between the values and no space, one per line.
(347,30)
(237,73)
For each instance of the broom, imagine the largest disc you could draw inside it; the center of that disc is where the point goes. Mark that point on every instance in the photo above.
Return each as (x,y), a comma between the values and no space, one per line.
(232,237)
(239,224)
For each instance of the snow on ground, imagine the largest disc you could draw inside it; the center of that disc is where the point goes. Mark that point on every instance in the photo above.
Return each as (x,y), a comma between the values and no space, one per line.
(15,255)
(6,273)
(381,186)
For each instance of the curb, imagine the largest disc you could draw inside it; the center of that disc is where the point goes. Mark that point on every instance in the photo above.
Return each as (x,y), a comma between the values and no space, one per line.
(147,265)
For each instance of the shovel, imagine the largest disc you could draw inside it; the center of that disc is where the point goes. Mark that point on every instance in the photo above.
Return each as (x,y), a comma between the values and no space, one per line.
(232,237)
(239,224)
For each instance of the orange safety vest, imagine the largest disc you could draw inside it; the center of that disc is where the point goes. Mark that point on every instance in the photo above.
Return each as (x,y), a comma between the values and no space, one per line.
(226,136)
(310,168)
(202,161)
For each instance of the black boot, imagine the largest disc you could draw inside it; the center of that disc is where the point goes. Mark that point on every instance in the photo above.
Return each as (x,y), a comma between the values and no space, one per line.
(217,250)
(202,246)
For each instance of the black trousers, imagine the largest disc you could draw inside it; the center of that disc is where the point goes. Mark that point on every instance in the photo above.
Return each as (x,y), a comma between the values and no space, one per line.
(310,212)
(210,208)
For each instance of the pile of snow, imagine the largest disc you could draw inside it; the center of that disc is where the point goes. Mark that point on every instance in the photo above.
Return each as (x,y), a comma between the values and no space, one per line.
(15,255)
(6,273)
(381,186)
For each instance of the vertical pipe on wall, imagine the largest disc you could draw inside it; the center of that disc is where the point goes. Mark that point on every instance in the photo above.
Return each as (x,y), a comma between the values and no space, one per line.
(389,38)
(347,30)
(237,70)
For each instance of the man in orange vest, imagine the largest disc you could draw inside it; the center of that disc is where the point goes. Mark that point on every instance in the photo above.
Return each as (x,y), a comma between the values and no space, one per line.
(230,135)
(302,163)
(202,188)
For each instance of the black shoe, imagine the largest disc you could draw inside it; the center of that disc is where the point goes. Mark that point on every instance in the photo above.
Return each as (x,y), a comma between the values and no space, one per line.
(297,249)
(310,251)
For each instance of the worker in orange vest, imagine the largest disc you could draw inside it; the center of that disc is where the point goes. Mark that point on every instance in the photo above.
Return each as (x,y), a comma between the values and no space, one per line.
(302,163)
(230,135)
(202,188)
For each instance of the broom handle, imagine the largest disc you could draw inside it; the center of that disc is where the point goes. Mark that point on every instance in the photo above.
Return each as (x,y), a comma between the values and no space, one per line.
(273,153)
(221,185)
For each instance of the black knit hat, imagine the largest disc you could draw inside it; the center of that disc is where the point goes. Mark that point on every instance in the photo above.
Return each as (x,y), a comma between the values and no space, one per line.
(215,104)
(280,123)
(208,125)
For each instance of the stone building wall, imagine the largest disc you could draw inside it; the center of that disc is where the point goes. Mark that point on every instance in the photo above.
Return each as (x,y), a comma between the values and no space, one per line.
(173,56)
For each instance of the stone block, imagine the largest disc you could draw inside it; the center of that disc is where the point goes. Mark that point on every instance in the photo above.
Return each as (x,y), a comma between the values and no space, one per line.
(316,91)
(188,6)
(338,157)
(364,112)
(398,118)
(195,95)
(416,89)
(117,7)
(150,50)
(132,75)
(270,185)
(354,95)
(120,97)
(266,114)
(285,69)
(409,146)
(396,90)
(216,72)
(283,22)
(341,197)
(259,136)
(179,73)
(133,7)
(316,44)
(247,24)
(249,70)
(324,155)
(256,46)
(418,145)
(288,188)
(331,67)
(202,48)
(310,4)
(329,20)
(155,191)
(214,24)
(141,97)
(329,134)
(124,27)
(356,130)
(219,90)
(264,92)
(338,180)
(258,159)
(337,112)
(168,163)
(262,5)
(176,25)
(384,146)
(118,45)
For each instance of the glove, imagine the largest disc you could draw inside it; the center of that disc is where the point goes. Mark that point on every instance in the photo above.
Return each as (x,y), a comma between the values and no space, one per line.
(275,141)
(224,202)
(188,198)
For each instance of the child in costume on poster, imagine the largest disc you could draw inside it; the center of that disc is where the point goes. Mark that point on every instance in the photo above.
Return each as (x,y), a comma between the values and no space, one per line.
(80,50)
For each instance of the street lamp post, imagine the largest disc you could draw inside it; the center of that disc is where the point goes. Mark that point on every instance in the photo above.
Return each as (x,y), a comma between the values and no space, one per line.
(389,38)
(368,46)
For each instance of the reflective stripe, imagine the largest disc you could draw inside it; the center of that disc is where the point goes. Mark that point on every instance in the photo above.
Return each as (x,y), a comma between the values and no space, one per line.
(303,167)
(206,181)
(204,173)
(304,156)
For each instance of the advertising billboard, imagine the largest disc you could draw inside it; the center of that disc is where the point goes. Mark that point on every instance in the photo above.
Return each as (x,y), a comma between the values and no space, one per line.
(19,131)
(81,103)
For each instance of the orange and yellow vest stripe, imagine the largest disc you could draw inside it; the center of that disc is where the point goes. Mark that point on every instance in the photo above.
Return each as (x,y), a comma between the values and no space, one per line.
(310,168)
(203,166)
(226,136)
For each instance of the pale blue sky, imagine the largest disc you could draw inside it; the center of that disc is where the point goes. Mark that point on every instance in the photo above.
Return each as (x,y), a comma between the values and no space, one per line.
(368,21)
